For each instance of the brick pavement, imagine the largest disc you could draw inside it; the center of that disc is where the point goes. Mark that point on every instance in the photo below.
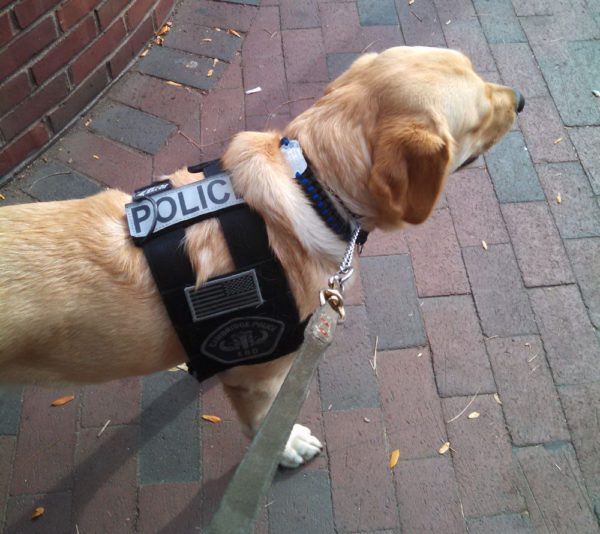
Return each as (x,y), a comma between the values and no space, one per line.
(510,331)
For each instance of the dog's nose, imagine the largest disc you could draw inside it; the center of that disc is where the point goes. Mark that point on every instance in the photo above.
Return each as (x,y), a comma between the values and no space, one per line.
(520,101)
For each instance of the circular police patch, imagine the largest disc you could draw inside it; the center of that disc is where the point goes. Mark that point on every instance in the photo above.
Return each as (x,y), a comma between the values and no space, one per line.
(243,339)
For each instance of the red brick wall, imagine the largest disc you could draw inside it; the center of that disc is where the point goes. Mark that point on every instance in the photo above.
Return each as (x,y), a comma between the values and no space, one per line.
(56,56)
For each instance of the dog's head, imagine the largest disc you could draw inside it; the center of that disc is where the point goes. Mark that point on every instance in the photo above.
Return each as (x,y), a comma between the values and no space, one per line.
(423,113)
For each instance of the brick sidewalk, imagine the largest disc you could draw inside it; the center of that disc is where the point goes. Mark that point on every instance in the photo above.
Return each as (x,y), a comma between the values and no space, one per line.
(509,331)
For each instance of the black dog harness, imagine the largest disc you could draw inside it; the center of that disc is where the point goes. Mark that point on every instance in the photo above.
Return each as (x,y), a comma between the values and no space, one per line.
(245,317)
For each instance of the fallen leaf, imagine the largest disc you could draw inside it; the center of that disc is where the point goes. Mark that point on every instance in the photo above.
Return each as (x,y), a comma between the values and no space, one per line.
(212,418)
(559,140)
(419,355)
(233,32)
(144,52)
(210,72)
(444,448)
(497,398)
(558,198)
(164,29)
(158,40)
(95,156)
(484,244)
(207,40)
(394,458)
(38,512)
(88,122)
(596,93)
(63,400)
(2,197)
(473,415)
(174,84)
(217,29)
(366,419)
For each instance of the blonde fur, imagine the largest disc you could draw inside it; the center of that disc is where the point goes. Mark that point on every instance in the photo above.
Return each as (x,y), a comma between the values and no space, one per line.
(78,303)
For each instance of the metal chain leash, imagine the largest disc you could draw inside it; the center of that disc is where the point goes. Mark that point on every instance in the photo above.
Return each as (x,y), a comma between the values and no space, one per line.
(333,295)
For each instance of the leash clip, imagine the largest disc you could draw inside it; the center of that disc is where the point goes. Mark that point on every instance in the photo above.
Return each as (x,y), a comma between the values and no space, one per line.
(334,298)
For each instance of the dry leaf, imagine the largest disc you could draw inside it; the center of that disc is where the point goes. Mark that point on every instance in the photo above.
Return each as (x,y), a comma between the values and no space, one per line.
(366,420)
(217,29)
(233,32)
(473,415)
(144,52)
(88,122)
(63,400)
(210,72)
(497,398)
(212,418)
(174,84)
(159,40)
(484,244)
(2,197)
(558,198)
(394,458)
(207,40)
(419,355)
(38,512)
(95,156)
(165,28)
(444,448)
(596,93)
(559,140)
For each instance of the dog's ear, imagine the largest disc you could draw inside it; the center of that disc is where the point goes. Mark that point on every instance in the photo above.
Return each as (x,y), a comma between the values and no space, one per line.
(410,164)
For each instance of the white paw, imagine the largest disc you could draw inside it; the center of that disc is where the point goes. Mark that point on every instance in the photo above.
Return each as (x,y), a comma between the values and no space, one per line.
(300,447)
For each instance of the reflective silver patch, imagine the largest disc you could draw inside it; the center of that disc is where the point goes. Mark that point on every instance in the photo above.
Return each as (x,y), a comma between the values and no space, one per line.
(224,295)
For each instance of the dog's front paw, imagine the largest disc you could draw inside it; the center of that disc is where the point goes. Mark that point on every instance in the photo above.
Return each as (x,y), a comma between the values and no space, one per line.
(300,447)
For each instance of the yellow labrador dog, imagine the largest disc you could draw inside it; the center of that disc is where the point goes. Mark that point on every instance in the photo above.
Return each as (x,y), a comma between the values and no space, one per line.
(78,303)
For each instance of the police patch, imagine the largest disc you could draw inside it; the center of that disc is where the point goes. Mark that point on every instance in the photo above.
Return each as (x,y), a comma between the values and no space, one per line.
(243,339)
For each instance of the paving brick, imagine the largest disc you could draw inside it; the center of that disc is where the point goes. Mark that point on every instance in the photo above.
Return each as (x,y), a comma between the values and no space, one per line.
(10,406)
(7,451)
(339,62)
(194,38)
(14,91)
(218,14)
(500,297)
(420,23)
(428,484)
(499,22)
(301,503)
(467,36)
(12,195)
(512,172)
(455,9)
(529,399)
(377,12)
(460,360)
(436,258)
(56,518)
(385,244)
(222,116)
(581,408)
(188,69)
(341,27)
(566,508)
(311,415)
(63,51)
(482,457)
(232,76)
(475,209)
(117,401)
(586,141)
(131,127)
(538,247)
(547,138)
(578,215)
(116,166)
(585,259)
(174,104)
(26,46)
(56,181)
(392,304)
(297,15)
(177,153)
(304,95)
(567,67)
(170,449)
(23,146)
(273,121)
(500,524)
(519,68)
(46,445)
(304,55)
(170,508)
(79,98)
(562,26)
(411,406)
(34,108)
(380,38)
(105,490)
(346,377)
(568,335)
(362,488)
